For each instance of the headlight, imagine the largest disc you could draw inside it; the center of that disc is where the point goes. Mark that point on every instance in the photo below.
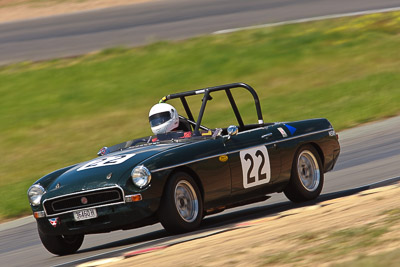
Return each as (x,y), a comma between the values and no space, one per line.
(35,193)
(141,176)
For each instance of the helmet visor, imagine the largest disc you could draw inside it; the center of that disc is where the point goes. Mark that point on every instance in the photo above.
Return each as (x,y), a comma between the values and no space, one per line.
(159,118)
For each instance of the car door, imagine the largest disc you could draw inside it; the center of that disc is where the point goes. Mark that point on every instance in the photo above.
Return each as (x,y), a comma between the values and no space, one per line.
(254,161)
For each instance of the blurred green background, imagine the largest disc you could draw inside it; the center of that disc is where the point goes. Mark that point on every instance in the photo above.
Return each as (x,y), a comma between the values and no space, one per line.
(59,112)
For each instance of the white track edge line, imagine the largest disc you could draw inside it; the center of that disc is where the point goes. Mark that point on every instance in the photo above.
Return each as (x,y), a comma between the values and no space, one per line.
(303,20)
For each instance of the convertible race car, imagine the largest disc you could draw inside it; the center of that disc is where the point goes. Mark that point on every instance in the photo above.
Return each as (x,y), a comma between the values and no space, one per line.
(179,177)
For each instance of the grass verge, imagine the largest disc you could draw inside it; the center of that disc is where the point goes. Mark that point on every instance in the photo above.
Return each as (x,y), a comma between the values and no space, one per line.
(60,112)
(333,246)
(387,259)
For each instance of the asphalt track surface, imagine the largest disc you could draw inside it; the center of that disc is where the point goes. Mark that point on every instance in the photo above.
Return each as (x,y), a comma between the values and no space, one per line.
(139,24)
(370,153)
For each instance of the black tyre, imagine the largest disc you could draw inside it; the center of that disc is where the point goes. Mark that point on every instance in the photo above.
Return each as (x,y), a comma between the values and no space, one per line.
(181,208)
(61,245)
(307,176)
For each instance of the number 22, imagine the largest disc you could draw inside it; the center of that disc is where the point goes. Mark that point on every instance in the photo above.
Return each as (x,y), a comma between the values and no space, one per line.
(261,176)
(255,158)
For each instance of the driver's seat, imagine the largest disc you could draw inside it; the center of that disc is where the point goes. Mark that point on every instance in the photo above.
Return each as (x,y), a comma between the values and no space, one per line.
(184,125)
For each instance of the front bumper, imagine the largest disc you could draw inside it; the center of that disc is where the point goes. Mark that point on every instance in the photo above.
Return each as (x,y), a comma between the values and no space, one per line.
(109,218)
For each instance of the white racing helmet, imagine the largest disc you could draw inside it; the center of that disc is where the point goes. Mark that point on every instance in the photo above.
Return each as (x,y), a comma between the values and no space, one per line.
(163,118)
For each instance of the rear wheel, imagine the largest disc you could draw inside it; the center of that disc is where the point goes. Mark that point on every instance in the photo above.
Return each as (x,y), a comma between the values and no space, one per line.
(61,244)
(307,176)
(181,208)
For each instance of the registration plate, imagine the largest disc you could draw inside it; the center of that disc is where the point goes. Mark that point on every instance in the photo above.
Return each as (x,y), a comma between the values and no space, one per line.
(85,214)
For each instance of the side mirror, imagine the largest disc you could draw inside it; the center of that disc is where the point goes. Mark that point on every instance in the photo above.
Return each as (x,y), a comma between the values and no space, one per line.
(232,130)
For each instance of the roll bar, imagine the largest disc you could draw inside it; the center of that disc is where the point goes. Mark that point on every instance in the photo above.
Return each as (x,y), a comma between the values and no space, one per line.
(206,92)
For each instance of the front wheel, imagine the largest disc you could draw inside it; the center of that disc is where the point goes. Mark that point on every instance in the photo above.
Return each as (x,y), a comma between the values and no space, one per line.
(61,244)
(307,176)
(181,208)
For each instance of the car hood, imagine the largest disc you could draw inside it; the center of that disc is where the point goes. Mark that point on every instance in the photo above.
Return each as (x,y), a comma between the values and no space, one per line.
(103,171)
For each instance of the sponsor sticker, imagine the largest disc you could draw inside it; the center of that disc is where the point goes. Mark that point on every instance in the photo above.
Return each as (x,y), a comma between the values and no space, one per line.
(290,128)
(284,134)
(54,221)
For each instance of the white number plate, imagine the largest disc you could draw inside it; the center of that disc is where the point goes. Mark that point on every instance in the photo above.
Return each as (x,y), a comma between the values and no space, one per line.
(85,214)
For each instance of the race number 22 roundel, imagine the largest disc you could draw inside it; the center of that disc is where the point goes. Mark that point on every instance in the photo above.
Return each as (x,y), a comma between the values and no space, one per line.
(255,166)
(106,161)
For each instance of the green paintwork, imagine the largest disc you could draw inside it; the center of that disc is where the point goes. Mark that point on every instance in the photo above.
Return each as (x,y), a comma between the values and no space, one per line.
(221,181)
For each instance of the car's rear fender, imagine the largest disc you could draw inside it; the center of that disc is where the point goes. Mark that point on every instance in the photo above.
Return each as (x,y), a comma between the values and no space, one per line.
(322,142)
(320,153)
(325,153)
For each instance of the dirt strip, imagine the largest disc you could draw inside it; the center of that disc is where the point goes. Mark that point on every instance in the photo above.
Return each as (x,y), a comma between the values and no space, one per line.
(329,232)
(12,10)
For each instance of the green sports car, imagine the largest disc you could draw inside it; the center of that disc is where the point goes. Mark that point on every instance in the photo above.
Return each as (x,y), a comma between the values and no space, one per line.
(179,177)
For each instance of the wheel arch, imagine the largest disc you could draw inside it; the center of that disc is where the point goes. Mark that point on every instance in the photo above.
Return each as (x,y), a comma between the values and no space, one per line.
(315,146)
(192,173)
(320,153)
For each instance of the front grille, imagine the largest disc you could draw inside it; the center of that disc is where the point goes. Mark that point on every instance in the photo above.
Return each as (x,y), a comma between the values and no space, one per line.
(72,202)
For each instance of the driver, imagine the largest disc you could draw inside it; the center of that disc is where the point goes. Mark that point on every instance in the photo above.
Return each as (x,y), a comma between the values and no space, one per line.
(163,118)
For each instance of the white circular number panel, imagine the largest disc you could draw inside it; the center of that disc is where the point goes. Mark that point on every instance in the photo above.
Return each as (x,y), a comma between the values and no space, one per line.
(106,161)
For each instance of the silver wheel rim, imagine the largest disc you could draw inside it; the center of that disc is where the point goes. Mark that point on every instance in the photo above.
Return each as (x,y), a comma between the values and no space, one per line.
(308,170)
(186,201)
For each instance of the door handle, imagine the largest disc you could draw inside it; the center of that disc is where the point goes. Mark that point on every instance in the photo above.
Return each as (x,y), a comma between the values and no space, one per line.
(266,136)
